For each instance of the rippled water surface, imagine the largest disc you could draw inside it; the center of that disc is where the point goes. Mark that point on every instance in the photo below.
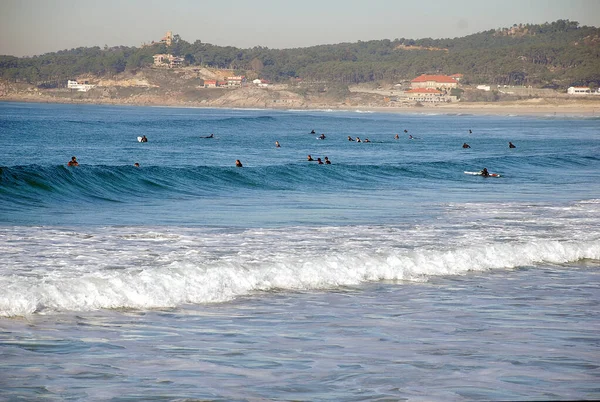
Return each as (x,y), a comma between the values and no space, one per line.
(387,275)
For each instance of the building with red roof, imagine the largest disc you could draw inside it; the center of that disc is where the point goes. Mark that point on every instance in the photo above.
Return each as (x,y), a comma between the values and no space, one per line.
(433,81)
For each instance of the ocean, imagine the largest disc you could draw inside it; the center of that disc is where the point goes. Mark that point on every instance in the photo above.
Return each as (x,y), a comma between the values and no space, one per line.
(387,275)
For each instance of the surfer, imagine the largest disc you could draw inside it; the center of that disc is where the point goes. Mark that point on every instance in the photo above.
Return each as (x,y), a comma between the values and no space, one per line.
(238,163)
(209,136)
(144,139)
(327,161)
(322,136)
(73,162)
(410,137)
(319,161)
(396,137)
(511,145)
(136,164)
(366,140)
(485,173)
(405,131)
(350,138)
(465,145)
(277,145)
(309,158)
(470,132)
(358,139)
(313,132)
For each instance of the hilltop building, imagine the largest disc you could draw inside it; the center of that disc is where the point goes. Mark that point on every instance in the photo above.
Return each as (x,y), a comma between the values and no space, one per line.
(167,39)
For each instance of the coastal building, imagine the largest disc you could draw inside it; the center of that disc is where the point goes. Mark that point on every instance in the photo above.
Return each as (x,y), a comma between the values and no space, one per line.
(261,83)
(433,81)
(210,83)
(429,95)
(457,77)
(484,87)
(579,91)
(236,81)
(72,84)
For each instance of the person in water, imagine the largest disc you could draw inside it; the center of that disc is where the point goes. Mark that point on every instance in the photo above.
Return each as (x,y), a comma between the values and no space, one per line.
(209,136)
(319,161)
(322,136)
(313,132)
(396,137)
(144,139)
(470,132)
(410,137)
(73,162)
(136,164)
(485,173)
(465,145)
(366,140)
(405,131)
(309,158)
(350,138)
(358,139)
(277,145)
(238,163)
(511,145)
(327,161)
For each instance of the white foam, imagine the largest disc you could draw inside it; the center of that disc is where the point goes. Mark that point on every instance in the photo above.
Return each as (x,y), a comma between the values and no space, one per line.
(181,275)
(71,269)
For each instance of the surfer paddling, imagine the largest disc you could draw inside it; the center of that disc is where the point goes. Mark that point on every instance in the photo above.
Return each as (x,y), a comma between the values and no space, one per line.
(73,162)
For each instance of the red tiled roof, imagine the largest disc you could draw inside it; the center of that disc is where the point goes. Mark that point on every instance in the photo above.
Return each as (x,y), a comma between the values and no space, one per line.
(423,91)
(436,78)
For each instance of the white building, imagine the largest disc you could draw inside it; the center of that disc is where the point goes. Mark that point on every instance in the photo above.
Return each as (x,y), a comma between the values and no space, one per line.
(72,84)
(579,91)
(261,83)
(484,87)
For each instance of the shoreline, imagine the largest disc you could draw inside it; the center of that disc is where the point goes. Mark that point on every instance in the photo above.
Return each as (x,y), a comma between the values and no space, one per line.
(576,107)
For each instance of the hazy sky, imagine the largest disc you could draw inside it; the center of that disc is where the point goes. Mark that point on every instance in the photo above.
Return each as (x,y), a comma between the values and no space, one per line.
(33,27)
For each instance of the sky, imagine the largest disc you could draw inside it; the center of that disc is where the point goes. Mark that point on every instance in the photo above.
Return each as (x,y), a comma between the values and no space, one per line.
(34,27)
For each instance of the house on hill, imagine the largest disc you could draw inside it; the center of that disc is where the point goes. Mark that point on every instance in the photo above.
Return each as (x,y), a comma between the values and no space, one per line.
(236,81)
(167,60)
(433,81)
(261,83)
(72,84)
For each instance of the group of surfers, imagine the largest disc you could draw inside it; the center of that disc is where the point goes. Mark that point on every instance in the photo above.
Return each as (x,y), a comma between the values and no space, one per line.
(484,172)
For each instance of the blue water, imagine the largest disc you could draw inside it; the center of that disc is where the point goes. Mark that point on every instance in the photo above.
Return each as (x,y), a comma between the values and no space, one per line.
(389,274)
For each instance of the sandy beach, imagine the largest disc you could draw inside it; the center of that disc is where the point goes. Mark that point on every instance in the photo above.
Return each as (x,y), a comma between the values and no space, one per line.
(247,99)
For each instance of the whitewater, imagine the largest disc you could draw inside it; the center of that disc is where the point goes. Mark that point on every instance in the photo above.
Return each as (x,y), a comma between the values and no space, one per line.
(387,275)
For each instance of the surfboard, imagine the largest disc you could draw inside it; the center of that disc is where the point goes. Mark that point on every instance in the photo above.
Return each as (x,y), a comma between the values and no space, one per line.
(139,139)
(479,174)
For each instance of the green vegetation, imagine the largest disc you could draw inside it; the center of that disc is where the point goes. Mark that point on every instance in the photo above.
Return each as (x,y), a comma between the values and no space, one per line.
(553,55)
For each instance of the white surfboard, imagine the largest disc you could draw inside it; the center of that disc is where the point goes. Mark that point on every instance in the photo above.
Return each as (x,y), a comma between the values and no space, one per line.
(479,174)
(139,139)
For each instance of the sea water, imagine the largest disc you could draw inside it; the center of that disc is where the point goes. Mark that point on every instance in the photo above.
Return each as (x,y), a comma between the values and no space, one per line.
(387,275)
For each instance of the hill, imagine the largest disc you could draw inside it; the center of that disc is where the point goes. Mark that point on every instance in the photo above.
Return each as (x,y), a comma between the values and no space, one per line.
(557,55)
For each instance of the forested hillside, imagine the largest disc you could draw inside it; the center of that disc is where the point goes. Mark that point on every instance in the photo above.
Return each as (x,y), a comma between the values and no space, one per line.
(557,54)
